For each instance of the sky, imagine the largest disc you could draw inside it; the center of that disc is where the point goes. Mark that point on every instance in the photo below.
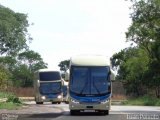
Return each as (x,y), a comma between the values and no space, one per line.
(65,28)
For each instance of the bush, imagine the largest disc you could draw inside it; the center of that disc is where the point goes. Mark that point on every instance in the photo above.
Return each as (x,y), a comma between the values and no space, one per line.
(4,78)
(149,101)
(145,100)
(13,99)
(5,94)
(10,105)
(12,102)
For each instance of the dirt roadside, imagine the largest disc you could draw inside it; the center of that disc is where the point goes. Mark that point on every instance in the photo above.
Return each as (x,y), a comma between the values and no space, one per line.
(33,111)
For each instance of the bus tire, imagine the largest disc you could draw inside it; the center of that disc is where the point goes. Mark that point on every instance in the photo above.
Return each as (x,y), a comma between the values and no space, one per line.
(54,102)
(73,112)
(66,102)
(39,102)
(106,112)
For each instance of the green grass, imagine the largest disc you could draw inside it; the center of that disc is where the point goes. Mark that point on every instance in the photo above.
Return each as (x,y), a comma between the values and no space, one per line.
(5,94)
(143,101)
(10,105)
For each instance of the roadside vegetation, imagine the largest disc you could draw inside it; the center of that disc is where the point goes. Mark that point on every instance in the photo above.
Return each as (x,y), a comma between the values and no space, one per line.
(138,66)
(143,101)
(10,105)
(17,62)
(9,101)
(5,95)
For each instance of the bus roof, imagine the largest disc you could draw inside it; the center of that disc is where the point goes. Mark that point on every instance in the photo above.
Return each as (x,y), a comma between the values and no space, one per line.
(48,70)
(90,60)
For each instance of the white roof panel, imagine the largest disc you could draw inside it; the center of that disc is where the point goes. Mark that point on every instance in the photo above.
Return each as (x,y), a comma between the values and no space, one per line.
(48,70)
(90,60)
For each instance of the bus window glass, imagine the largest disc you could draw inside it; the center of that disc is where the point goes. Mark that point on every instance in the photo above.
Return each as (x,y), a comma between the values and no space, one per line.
(79,80)
(99,84)
(89,81)
(49,88)
(49,76)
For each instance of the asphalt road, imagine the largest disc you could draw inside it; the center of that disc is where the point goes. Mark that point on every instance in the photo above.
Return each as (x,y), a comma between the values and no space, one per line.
(50,111)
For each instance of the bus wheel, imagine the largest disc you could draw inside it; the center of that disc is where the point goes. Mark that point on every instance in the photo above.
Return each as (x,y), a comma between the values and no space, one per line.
(74,112)
(39,102)
(106,112)
(66,102)
(54,102)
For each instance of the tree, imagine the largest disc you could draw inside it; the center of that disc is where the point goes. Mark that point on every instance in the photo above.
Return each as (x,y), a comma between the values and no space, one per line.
(22,76)
(13,31)
(118,60)
(32,59)
(145,32)
(64,65)
(145,28)
(4,78)
(28,63)
(131,64)
(15,56)
(8,61)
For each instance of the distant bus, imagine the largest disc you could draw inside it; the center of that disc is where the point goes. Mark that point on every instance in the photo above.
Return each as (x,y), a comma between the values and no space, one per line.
(48,86)
(90,84)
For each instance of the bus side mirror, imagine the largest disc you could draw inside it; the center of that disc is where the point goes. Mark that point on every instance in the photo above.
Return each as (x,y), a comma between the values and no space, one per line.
(66,78)
(112,76)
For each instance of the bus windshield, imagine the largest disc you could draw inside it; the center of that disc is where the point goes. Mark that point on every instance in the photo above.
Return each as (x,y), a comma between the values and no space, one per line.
(50,87)
(89,80)
(49,76)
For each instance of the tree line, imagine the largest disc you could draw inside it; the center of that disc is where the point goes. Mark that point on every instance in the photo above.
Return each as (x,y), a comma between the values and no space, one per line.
(139,65)
(17,62)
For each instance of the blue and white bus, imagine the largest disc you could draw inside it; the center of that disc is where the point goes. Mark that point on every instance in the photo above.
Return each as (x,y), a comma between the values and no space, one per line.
(90,86)
(48,86)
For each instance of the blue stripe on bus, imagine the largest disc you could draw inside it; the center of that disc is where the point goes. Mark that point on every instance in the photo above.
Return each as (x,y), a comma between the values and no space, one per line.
(92,99)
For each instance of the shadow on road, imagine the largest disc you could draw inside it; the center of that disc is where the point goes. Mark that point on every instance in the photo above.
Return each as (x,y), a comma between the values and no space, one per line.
(37,116)
(93,116)
(84,114)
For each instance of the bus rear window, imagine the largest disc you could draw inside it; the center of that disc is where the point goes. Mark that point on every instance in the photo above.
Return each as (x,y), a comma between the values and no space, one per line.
(49,76)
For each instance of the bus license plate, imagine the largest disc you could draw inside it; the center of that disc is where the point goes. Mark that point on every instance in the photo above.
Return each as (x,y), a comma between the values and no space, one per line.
(89,110)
